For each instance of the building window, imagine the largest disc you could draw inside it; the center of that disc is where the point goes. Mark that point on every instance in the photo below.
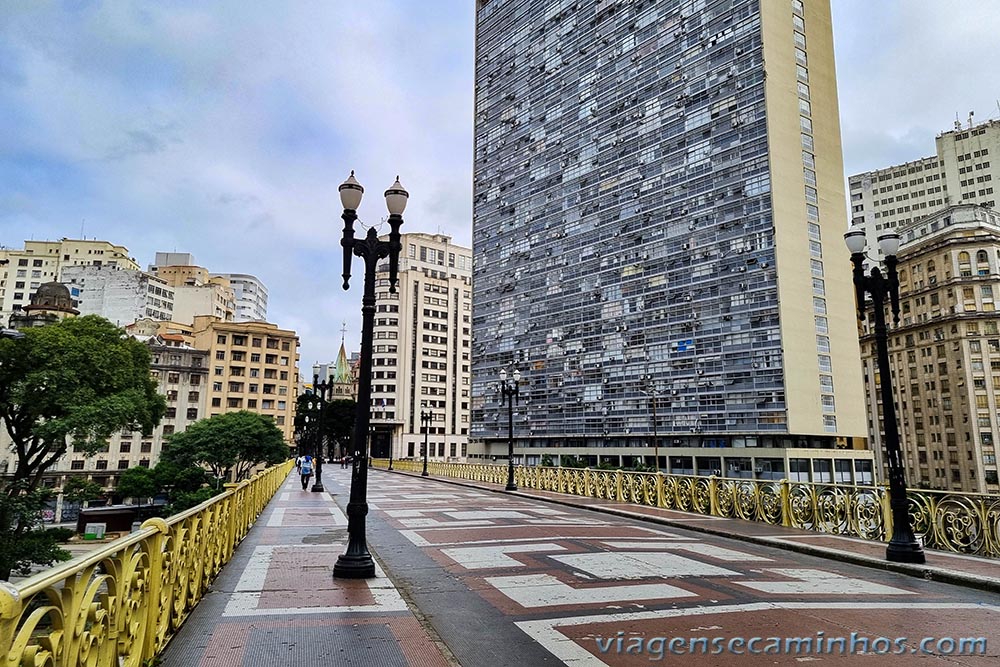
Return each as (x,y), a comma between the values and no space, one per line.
(76,464)
(220,339)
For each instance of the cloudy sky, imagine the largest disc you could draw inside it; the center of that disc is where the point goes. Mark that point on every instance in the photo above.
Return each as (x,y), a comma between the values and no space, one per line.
(223,128)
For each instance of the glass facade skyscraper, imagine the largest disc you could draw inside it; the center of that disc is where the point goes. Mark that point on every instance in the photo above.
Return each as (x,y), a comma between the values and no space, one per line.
(658,216)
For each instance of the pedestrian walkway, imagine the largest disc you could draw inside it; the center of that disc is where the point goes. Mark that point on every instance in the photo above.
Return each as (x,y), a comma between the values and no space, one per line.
(277,603)
(960,569)
(499,579)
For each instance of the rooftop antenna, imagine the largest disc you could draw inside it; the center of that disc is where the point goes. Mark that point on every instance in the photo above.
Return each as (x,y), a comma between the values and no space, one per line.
(971,114)
(958,123)
(82,223)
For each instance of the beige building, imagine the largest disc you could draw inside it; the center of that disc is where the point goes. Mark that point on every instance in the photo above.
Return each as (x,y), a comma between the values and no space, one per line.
(421,351)
(196,293)
(945,352)
(964,170)
(22,271)
(254,366)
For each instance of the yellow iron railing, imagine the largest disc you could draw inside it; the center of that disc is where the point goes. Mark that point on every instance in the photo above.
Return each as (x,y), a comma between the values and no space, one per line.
(119,605)
(967,523)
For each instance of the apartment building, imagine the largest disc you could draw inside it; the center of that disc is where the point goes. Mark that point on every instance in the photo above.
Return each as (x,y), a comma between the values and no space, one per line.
(421,351)
(964,170)
(254,366)
(654,215)
(24,270)
(250,297)
(945,352)
(119,295)
(197,292)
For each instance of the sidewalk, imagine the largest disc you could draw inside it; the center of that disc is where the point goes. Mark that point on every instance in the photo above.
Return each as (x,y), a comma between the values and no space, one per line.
(277,603)
(957,569)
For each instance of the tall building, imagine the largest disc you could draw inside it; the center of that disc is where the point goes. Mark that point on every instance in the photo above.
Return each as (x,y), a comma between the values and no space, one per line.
(250,296)
(649,202)
(22,271)
(960,172)
(421,351)
(254,367)
(945,352)
(119,295)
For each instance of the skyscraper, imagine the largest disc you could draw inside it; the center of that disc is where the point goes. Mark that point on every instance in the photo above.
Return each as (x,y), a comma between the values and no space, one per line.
(658,220)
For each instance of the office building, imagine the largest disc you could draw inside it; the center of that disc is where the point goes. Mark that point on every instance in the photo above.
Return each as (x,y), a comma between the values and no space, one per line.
(421,351)
(658,219)
(945,352)
(961,171)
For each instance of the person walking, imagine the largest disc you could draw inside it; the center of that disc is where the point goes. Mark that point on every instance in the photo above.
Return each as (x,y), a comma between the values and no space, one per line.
(298,464)
(306,470)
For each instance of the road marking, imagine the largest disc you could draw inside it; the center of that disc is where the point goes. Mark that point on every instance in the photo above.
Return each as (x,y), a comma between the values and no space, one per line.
(701,548)
(819,582)
(483,558)
(641,565)
(543,590)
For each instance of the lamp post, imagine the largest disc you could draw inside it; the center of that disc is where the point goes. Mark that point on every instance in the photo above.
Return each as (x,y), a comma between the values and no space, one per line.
(425,419)
(322,388)
(509,391)
(903,546)
(390,451)
(649,388)
(356,562)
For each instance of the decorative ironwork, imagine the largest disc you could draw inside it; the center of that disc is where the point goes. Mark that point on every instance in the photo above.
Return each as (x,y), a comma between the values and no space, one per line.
(119,605)
(966,523)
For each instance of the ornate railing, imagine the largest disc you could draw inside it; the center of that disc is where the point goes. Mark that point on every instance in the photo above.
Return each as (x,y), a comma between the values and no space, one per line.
(119,605)
(967,523)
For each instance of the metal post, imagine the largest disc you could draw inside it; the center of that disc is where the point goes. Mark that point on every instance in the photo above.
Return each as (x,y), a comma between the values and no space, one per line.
(357,562)
(509,392)
(425,419)
(903,546)
(321,388)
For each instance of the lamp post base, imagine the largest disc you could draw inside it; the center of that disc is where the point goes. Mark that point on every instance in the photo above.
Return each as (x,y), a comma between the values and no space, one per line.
(510,486)
(354,567)
(905,552)
(424,474)
(317,487)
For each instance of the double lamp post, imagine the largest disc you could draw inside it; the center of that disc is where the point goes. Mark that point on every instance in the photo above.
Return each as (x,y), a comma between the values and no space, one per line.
(509,392)
(319,391)
(357,562)
(425,420)
(903,546)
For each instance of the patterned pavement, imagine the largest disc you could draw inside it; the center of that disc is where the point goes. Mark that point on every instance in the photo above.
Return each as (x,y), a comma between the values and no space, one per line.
(502,579)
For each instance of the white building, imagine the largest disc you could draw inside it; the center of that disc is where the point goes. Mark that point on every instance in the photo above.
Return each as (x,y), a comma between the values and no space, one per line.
(960,172)
(119,295)
(250,296)
(421,352)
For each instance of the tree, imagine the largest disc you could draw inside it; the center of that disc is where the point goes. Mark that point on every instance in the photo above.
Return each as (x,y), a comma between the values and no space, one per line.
(230,445)
(80,490)
(75,382)
(338,423)
(137,483)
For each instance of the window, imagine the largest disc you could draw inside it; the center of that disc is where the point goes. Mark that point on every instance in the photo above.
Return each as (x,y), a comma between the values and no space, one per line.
(77,464)
(220,339)
(192,413)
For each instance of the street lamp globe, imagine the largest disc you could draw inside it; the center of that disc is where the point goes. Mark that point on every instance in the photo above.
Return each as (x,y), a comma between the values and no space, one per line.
(855,240)
(395,198)
(888,243)
(351,193)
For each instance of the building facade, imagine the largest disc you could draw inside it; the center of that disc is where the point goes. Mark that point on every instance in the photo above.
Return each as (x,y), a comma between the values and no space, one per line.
(945,351)
(22,271)
(254,366)
(250,297)
(197,292)
(421,351)
(119,295)
(960,172)
(648,204)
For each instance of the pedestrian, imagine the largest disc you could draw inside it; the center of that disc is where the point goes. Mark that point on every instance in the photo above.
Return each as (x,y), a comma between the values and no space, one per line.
(306,470)
(298,464)
(344,461)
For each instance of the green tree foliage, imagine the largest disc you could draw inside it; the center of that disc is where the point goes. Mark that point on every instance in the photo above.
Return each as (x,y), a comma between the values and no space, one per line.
(184,486)
(338,423)
(230,445)
(137,483)
(73,382)
(79,490)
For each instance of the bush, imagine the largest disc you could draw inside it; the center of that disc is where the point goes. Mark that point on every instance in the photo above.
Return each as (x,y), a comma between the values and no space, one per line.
(60,534)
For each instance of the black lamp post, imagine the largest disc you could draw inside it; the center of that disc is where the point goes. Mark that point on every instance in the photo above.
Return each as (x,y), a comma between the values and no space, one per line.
(903,546)
(649,387)
(509,391)
(321,388)
(390,451)
(425,419)
(357,563)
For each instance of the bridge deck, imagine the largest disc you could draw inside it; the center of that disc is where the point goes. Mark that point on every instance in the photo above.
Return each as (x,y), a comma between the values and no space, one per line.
(509,579)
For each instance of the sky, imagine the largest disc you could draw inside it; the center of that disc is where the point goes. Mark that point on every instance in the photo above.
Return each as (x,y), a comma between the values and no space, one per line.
(223,129)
